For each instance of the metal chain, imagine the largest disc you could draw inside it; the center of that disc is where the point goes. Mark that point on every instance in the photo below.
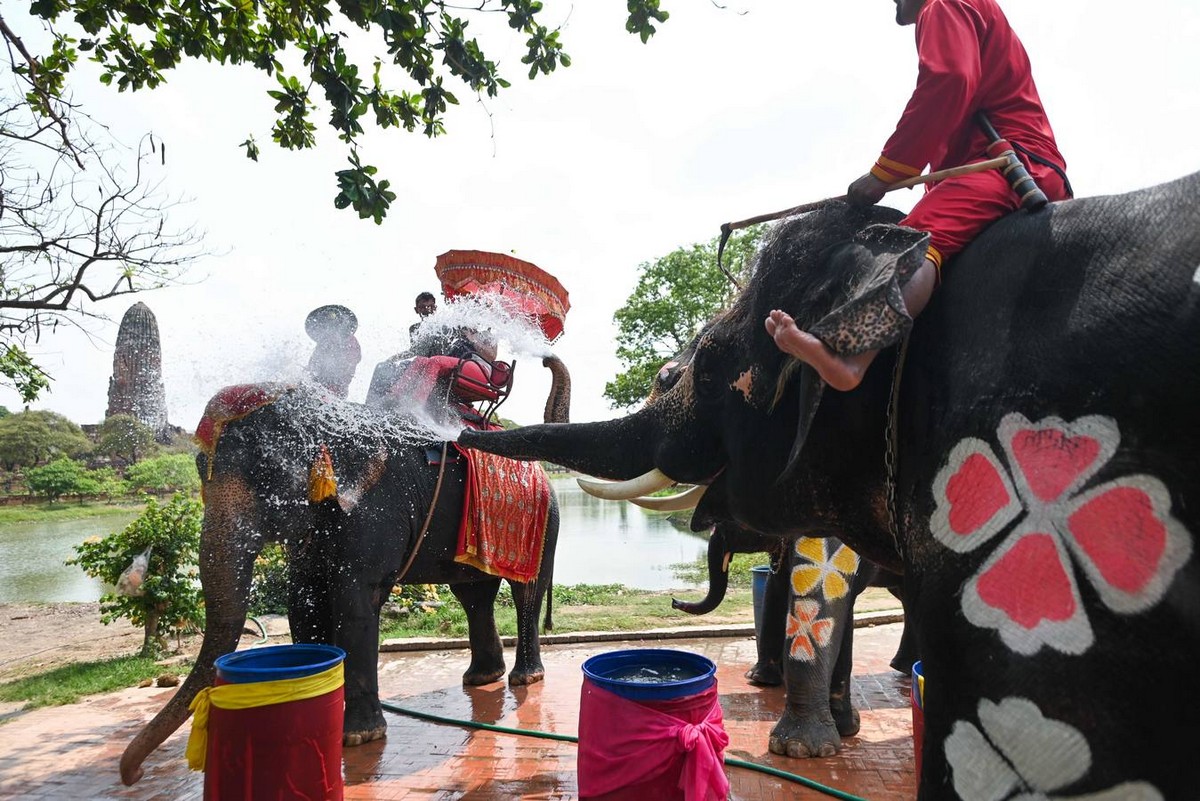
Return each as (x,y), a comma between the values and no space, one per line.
(891,445)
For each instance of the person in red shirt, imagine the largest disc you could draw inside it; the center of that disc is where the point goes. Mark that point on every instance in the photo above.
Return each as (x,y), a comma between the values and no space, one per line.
(970,60)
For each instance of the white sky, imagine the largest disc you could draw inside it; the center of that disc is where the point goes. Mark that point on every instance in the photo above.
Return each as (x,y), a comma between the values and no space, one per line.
(631,152)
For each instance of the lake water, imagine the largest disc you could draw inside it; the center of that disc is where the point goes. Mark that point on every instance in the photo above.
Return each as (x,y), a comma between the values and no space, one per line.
(600,542)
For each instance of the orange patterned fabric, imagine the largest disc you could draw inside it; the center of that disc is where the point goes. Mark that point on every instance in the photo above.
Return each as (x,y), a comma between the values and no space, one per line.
(233,403)
(505,511)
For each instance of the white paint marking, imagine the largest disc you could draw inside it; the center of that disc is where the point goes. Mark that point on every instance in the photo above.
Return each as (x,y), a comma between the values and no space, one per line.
(1196,275)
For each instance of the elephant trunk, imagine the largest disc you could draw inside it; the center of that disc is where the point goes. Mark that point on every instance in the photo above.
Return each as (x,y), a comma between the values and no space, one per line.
(718,577)
(558,402)
(228,548)
(619,449)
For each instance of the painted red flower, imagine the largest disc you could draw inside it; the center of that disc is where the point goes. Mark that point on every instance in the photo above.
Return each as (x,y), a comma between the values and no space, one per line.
(1119,535)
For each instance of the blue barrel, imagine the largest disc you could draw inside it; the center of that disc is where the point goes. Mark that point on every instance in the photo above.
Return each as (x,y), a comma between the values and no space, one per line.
(277,662)
(758,586)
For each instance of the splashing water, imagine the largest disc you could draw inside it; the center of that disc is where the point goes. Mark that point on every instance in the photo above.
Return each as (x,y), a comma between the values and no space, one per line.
(488,314)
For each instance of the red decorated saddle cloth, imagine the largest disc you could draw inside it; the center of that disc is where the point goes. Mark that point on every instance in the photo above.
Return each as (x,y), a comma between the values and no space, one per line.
(505,511)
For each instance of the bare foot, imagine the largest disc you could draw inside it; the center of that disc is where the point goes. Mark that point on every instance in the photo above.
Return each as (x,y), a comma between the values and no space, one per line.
(835,371)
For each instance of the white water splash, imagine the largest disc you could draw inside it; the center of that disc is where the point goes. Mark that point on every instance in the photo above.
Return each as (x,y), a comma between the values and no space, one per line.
(489,314)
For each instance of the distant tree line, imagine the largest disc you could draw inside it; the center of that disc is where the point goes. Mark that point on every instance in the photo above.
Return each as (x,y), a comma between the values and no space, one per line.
(45,454)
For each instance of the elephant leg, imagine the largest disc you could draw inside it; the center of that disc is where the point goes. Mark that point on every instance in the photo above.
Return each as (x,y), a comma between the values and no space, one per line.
(767,671)
(845,716)
(310,615)
(357,594)
(478,600)
(527,598)
(815,625)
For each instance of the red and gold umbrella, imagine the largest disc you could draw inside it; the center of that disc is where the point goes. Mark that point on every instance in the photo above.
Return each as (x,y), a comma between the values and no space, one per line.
(523,288)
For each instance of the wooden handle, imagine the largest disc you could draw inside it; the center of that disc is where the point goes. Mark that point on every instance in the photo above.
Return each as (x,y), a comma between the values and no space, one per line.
(950,172)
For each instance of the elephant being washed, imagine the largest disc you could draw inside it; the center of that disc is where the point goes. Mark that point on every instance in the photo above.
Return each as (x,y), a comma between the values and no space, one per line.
(350,490)
(1035,460)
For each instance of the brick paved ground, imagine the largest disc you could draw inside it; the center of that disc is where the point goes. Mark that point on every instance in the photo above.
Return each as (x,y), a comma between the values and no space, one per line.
(72,752)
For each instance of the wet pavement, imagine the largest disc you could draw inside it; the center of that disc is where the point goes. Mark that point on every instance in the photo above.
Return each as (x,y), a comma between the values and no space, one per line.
(72,752)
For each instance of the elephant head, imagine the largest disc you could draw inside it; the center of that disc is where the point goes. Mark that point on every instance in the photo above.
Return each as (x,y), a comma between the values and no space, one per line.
(718,415)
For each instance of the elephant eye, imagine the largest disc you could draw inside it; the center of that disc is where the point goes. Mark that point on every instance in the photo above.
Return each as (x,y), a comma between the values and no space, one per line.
(705,377)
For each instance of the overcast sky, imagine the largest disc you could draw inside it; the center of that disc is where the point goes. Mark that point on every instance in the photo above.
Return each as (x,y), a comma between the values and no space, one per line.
(633,151)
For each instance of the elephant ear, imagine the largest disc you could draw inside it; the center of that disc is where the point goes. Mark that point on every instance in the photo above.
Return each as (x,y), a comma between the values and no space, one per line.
(874,315)
(811,388)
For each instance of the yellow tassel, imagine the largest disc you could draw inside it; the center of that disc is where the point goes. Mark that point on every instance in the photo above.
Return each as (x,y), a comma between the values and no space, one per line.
(322,483)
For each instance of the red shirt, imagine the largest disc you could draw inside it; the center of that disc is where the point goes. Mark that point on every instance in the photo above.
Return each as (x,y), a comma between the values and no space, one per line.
(970,59)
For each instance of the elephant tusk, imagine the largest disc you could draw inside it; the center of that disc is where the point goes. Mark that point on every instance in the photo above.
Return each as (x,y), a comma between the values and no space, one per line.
(672,503)
(645,484)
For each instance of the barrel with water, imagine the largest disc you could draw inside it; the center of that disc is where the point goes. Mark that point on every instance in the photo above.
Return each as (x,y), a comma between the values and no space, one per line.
(646,714)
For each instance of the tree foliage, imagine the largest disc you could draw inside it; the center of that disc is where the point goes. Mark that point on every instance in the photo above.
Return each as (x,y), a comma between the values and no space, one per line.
(31,438)
(136,42)
(81,219)
(673,297)
(61,477)
(123,436)
(169,599)
(174,472)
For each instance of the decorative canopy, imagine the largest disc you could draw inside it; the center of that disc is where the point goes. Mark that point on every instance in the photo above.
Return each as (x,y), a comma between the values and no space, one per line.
(525,289)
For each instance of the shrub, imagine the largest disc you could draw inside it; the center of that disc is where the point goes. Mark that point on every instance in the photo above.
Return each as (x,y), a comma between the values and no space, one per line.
(61,477)
(170,601)
(172,473)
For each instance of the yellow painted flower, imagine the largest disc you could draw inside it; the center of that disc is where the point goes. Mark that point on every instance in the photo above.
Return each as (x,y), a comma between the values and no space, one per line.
(829,574)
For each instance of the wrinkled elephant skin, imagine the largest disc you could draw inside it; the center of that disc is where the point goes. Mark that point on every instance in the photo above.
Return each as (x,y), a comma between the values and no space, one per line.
(1042,483)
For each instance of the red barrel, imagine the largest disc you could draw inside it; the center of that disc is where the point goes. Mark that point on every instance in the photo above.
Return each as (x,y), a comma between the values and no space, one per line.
(646,738)
(276,750)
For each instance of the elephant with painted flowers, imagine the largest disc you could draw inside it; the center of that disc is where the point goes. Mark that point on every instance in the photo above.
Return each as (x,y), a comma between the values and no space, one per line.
(1032,453)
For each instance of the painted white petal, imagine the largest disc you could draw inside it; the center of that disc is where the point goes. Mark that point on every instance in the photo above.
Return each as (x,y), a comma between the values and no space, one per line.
(1047,754)
(1127,791)
(1196,275)
(978,772)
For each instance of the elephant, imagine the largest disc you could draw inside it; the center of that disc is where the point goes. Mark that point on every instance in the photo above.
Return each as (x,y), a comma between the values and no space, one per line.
(1027,456)
(818,672)
(390,512)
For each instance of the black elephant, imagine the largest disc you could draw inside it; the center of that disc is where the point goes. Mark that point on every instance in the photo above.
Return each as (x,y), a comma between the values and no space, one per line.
(1032,450)
(351,492)
(817,669)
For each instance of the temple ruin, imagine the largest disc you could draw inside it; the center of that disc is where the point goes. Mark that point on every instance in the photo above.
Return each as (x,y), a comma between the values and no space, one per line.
(136,385)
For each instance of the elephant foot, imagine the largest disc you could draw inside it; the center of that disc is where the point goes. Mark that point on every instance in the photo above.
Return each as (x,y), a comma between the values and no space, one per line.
(520,678)
(353,738)
(902,662)
(474,677)
(804,738)
(845,716)
(363,721)
(765,673)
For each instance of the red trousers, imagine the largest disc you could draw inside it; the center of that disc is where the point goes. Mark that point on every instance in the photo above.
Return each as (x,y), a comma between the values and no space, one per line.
(956,210)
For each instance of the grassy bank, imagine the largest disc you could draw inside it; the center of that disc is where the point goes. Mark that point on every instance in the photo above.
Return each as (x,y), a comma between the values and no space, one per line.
(49,512)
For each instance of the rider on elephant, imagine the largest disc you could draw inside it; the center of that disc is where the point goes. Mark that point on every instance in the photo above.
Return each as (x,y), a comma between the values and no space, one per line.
(970,60)
(444,373)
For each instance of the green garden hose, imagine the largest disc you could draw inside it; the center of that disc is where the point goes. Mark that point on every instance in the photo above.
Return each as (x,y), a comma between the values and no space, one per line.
(569,738)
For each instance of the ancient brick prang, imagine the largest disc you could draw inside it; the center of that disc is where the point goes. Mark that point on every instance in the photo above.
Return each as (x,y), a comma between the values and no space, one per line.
(136,385)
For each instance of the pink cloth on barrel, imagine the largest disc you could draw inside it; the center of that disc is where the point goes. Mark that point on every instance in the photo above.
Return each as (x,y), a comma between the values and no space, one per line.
(672,745)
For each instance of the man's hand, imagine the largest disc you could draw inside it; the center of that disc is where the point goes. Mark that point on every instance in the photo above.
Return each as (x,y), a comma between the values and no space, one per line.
(866,191)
